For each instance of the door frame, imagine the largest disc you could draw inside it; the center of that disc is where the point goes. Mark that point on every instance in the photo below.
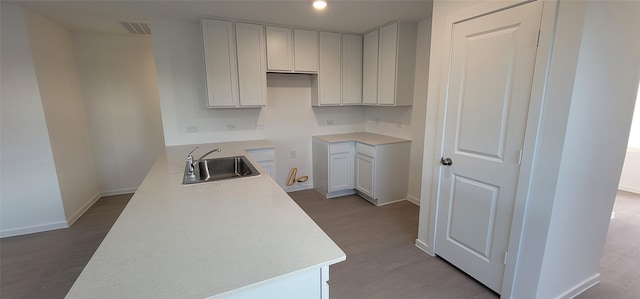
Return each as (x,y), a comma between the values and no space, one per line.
(533,131)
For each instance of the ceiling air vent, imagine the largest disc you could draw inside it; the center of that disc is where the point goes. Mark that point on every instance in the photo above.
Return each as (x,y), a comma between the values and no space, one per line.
(137,28)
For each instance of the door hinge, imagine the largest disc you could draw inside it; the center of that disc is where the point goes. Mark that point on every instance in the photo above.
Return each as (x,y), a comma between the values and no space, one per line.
(538,40)
(506,255)
(520,158)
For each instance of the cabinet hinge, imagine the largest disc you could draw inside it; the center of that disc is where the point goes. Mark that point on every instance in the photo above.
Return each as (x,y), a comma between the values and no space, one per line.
(506,255)
(520,158)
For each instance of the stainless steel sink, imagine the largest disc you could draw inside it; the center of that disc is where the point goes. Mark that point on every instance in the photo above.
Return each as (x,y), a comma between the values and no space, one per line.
(209,170)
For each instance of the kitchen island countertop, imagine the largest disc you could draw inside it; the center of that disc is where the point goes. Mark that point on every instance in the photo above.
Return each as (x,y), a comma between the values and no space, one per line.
(203,240)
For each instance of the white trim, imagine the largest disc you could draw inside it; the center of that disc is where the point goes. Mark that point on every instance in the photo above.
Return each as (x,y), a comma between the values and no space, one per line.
(33,229)
(413,200)
(299,187)
(118,191)
(424,247)
(390,202)
(581,287)
(83,209)
(629,189)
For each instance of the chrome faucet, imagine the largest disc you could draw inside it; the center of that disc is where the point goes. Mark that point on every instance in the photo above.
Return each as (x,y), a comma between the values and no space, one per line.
(192,163)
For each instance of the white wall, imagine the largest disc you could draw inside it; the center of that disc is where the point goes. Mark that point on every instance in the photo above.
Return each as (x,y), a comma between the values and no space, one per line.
(118,82)
(64,112)
(288,120)
(630,177)
(30,195)
(602,102)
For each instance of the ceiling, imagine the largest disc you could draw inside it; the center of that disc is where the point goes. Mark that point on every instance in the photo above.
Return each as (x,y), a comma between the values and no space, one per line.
(340,15)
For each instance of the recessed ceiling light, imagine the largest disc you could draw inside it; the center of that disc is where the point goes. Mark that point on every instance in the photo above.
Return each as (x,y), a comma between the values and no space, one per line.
(319,4)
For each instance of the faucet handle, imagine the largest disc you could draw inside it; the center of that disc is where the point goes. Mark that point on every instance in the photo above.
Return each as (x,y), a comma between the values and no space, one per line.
(193,150)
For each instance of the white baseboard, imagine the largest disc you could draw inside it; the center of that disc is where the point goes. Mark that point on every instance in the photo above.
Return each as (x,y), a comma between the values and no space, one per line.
(390,202)
(581,287)
(83,209)
(424,247)
(118,192)
(413,200)
(33,229)
(629,189)
(299,187)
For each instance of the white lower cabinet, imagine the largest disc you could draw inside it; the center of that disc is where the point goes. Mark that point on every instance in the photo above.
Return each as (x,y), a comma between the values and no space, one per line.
(365,174)
(379,173)
(307,284)
(266,157)
(333,167)
(382,172)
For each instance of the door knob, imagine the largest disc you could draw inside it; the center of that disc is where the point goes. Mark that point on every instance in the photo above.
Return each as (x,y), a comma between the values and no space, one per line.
(446,161)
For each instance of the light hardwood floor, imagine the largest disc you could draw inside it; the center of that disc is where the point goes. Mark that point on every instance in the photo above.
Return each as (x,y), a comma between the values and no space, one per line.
(382,261)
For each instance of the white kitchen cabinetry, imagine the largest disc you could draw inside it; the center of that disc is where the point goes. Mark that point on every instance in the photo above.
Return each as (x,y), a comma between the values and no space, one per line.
(351,69)
(339,80)
(252,64)
(370,68)
(220,63)
(266,157)
(299,285)
(389,81)
(326,87)
(382,172)
(333,165)
(234,64)
(292,50)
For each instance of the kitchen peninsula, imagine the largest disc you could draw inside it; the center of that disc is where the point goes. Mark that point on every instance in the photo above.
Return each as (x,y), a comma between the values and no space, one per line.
(224,239)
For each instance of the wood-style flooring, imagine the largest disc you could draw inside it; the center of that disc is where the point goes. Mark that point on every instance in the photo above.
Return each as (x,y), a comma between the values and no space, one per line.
(382,260)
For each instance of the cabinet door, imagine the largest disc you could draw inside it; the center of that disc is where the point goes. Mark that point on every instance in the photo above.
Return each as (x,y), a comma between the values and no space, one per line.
(279,49)
(329,74)
(370,68)
(365,172)
(387,65)
(351,69)
(305,55)
(340,172)
(220,63)
(252,72)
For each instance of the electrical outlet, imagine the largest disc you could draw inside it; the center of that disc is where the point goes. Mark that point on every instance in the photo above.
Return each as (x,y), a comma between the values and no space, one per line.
(330,122)
(192,129)
(293,154)
(231,127)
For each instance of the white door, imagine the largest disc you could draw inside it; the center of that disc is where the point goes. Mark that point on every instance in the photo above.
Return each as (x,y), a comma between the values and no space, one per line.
(351,69)
(305,43)
(220,63)
(490,74)
(387,62)
(365,168)
(279,49)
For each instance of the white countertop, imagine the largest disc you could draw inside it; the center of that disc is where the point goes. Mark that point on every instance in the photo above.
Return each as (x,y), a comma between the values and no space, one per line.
(202,240)
(362,137)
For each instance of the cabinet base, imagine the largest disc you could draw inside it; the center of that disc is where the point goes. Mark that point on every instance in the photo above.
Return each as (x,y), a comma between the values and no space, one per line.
(340,193)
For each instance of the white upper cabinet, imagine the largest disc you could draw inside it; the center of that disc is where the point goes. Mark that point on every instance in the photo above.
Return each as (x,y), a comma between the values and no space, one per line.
(370,69)
(387,64)
(279,49)
(351,69)
(305,43)
(220,63)
(292,50)
(339,80)
(326,87)
(252,64)
(389,81)
(235,64)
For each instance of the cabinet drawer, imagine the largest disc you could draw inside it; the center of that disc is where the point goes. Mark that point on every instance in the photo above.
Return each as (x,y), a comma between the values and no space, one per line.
(341,147)
(365,149)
